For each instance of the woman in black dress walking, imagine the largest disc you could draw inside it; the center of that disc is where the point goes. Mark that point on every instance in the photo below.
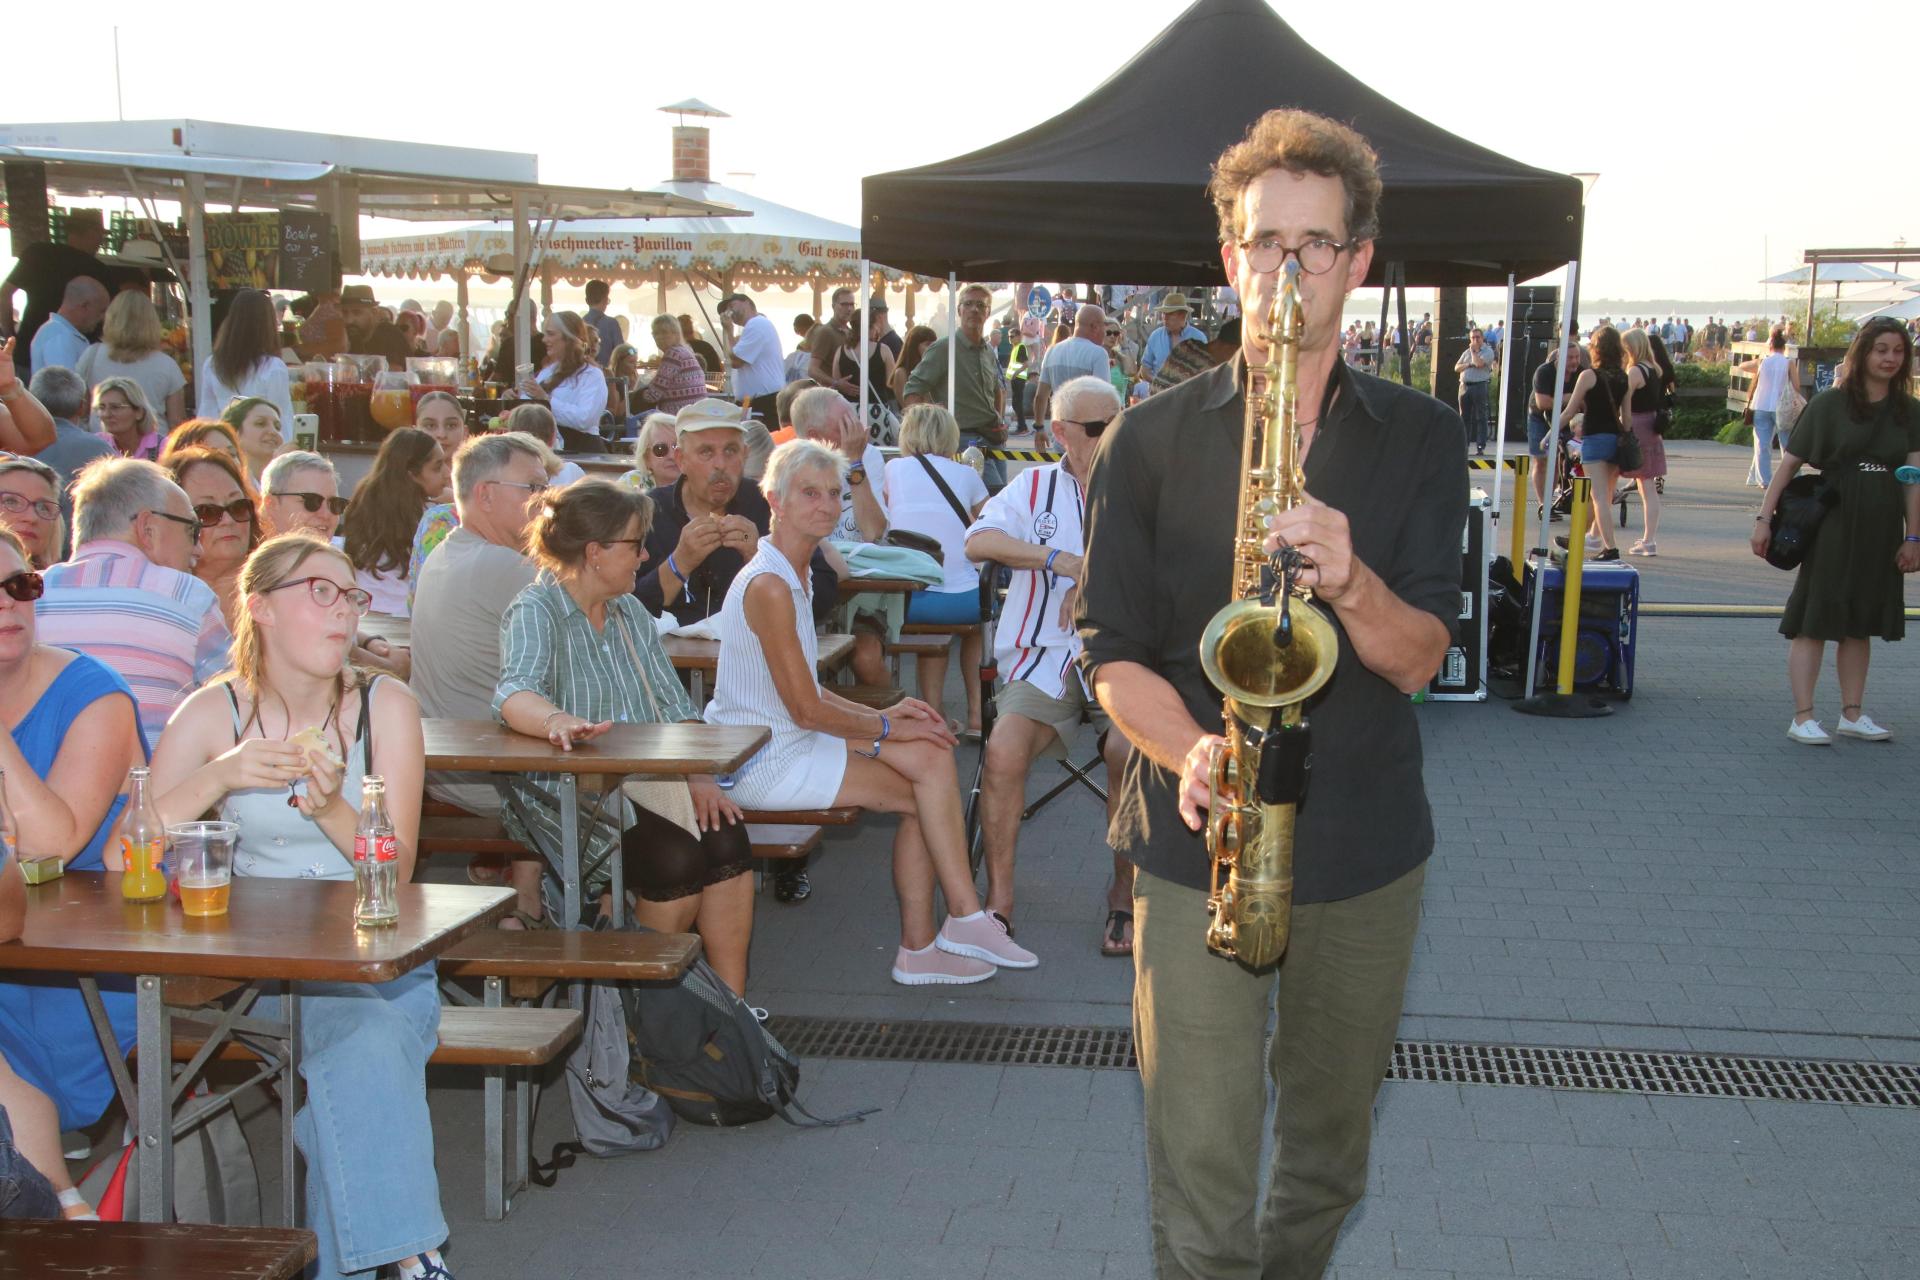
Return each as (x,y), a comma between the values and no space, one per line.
(1849,587)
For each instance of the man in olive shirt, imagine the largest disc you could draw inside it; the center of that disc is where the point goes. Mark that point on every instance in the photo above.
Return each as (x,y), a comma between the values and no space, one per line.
(979,396)
(1382,538)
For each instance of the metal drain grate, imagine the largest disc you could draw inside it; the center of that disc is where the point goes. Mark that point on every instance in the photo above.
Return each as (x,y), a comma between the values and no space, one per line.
(1687,1075)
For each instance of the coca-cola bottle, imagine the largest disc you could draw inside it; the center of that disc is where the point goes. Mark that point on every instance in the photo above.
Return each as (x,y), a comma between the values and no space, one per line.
(143,843)
(376,859)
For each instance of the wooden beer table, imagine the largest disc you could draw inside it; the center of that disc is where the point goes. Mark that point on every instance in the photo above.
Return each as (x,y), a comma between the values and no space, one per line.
(851,587)
(701,658)
(626,750)
(274,931)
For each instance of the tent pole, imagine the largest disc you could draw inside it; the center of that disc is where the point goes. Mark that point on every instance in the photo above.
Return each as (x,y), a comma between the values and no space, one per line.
(1500,419)
(866,297)
(1380,338)
(522,255)
(460,297)
(1406,339)
(953,329)
(1546,490)
(199,297)
(1813,294)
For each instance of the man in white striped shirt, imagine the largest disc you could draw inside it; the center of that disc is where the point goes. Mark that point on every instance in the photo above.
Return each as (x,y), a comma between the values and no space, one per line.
(1034,527)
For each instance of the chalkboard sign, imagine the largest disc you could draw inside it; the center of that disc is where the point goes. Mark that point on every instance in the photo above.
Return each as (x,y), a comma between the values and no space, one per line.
(27,204)
(306,251)
(1823,376)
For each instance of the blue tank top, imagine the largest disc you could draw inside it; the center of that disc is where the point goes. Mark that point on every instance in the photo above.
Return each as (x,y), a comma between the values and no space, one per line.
(79,684)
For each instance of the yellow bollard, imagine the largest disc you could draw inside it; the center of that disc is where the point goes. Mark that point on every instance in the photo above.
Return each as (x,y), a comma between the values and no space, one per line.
(1518,553)
(1570,584)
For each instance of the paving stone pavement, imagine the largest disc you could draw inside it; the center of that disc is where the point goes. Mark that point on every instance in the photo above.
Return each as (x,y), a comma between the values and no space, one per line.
(1678,876)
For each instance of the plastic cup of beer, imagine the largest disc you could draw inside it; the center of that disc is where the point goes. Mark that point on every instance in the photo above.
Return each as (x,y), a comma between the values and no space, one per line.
(203,865)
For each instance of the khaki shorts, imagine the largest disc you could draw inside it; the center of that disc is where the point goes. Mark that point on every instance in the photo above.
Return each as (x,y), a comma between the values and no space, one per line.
(1062,714)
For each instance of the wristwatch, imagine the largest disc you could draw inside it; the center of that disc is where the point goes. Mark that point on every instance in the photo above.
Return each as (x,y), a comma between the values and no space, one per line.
(856,475)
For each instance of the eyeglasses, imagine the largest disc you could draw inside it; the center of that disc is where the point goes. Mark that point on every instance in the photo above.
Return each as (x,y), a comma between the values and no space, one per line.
(14,504)
(659,448)
(1093,429)
(1316,257)
(24,586)
(538,486)
(325,591)
(635,543)
(209,513)
(313,501)
(193,526)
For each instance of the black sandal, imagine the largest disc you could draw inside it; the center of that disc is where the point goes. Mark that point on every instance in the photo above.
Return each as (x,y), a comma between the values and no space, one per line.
(1115,944)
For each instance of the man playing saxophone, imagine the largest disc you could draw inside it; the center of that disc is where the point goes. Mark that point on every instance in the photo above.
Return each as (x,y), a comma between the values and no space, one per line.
(1379,537)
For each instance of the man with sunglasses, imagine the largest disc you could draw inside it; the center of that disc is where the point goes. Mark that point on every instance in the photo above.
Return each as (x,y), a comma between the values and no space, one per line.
(979,396)
(127,596)
(300,490)
(1033,527)
(1380,537)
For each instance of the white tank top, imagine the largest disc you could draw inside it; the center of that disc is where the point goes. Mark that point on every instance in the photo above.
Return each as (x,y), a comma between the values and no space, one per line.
(743,688)
(1769,382)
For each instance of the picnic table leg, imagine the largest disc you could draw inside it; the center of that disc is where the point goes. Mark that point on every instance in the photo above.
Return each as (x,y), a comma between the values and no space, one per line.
(494,1107)
(697,684)
(154,1123)
(570,848)
(291,1092)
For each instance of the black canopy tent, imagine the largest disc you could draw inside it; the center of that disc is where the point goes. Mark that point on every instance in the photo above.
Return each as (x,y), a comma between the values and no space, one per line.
(1113,188)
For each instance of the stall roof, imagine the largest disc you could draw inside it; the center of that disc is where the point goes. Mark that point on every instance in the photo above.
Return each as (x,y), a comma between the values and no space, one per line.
(286,168)
(1114,187)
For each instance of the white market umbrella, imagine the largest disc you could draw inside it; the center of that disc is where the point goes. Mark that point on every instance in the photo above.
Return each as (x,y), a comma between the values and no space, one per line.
(1839,273)
(1905,310)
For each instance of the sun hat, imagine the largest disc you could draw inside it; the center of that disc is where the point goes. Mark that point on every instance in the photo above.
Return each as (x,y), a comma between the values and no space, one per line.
(708,415)
(1174,302)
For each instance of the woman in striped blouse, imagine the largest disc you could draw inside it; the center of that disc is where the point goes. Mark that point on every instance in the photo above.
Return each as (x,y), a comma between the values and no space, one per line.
(577,653)
(680,380)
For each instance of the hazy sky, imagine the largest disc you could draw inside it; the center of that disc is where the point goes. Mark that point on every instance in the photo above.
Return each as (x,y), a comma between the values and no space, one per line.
(1742,146)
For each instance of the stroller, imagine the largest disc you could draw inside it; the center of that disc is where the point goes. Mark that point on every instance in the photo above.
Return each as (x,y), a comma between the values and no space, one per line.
(1567,469)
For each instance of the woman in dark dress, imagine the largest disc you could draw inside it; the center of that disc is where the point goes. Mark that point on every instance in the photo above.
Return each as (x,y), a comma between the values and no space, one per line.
(1849,588)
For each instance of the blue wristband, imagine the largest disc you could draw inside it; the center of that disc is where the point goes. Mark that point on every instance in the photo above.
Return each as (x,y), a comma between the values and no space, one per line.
(886,726)
(1909,538)
(685,594)
(1051,556)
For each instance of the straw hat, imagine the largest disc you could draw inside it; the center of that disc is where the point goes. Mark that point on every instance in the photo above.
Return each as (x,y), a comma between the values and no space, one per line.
(708,415)
(1174,302)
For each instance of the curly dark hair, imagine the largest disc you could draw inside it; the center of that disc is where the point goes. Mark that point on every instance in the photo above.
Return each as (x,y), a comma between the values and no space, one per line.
(1607,348)
(1299,142)
(386,508)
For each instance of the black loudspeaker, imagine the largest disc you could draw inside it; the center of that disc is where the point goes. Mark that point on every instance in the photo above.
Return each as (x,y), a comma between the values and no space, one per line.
(1463,672)
(1529,344)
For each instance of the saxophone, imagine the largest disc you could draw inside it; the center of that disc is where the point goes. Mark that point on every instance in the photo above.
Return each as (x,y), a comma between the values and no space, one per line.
(1268,652)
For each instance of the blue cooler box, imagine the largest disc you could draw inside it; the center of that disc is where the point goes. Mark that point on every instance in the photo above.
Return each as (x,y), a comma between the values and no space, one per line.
(1603,650)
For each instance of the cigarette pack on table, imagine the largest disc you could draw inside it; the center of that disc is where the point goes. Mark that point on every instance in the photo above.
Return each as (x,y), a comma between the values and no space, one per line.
(41,870)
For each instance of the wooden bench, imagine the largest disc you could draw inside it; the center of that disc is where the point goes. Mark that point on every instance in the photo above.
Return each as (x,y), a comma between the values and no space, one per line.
(143,1250)
(495,1038)
(784,835)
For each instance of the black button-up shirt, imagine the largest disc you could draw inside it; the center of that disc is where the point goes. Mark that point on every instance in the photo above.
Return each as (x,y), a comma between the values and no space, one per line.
(1161,505)
(706,587)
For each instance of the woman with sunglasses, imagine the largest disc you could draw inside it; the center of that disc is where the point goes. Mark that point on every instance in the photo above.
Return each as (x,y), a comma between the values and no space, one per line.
(372,1194)
(259,428)
(217,486)
(654,448)
(409,473)
(69,732)
(439,415)
(578,652)
(30,506)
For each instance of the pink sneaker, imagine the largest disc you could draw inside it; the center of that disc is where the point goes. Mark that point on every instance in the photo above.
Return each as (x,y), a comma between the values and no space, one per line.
(932,966)
(984,938)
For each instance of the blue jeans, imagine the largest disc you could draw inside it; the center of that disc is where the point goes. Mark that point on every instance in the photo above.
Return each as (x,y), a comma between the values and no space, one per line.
(1761,472)
(1473,407)
(372,1194)
(996,470)
(24,1193)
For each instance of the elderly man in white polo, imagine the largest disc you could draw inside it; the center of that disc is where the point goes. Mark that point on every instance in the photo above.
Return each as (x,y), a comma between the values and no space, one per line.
(1176,315)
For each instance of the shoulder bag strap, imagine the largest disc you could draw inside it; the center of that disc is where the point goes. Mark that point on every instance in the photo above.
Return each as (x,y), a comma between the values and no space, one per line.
(940,483)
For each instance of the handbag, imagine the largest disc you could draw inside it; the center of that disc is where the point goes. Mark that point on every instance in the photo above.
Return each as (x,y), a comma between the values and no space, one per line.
(1627,454)
(1787,411)
(1804,503)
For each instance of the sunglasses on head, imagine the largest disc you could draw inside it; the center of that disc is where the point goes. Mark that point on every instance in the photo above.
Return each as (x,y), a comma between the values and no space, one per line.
(25,586)
(209,513)
(313,501)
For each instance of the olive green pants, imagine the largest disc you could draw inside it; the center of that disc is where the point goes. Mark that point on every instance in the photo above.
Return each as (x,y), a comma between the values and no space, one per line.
(1200,1028)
